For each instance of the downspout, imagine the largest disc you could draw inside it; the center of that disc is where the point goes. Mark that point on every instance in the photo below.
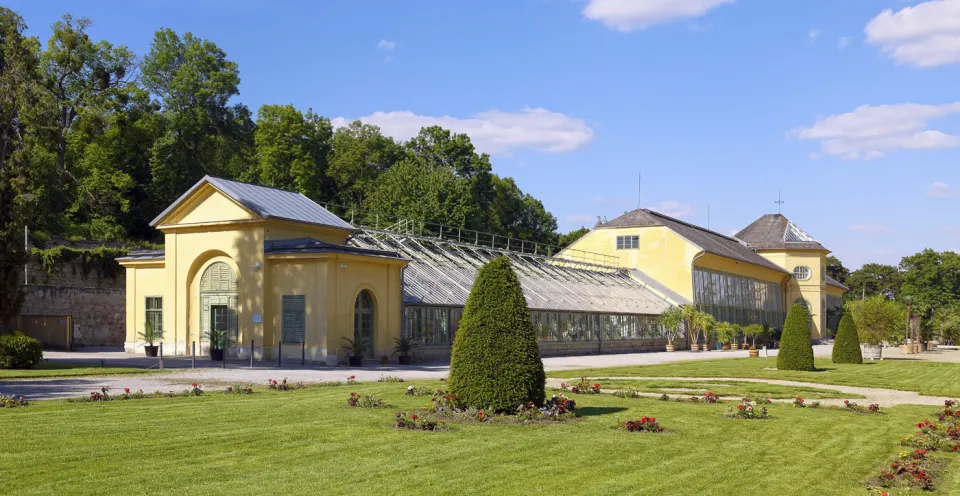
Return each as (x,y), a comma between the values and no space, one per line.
(693,292)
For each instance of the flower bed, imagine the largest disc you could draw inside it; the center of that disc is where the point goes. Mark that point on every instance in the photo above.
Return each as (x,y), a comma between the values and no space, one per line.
(919,469)
(708,397)
(582,387)
(422,391)
(12,402)
(104,394)
(445,405)
(369,401)
(238,389)
(748,411)
(643,424)
(853,407)
(911,470)
(390,378)
(418,423)
(283,385)
(628,393)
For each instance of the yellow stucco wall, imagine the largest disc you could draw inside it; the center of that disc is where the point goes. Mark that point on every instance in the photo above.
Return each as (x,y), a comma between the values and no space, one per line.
(662,254)
(722,264)
(834,291)
(143,280)
(207,228)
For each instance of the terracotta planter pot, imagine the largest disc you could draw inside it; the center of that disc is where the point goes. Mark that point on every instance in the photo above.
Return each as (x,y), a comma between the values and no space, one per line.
(726,347)
(705,347)
(671,348)
(754,353)
(694,347)
(735,346)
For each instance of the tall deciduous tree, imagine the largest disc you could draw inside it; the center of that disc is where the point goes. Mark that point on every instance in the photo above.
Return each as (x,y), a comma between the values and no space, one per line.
(569,238)
(874,279)
(205,135)
(836,270)
(81,76)
(291,150)
(932,279)
(360,155)
(518,215)
(879,319)
(19,85)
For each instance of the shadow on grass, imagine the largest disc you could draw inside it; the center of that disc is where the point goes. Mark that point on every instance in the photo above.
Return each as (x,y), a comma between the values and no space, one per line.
(593,411)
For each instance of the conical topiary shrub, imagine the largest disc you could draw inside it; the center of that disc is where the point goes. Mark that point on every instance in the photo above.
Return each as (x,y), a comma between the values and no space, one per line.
(796,350)
(495,363)
(846,348)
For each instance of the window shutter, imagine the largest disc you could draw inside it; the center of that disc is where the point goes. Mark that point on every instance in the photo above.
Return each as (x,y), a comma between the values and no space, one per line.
(294,318)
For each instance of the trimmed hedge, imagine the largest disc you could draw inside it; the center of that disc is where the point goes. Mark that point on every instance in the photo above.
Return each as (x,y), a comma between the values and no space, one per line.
(796,349)
(495,362)
(846,347)
(19,351)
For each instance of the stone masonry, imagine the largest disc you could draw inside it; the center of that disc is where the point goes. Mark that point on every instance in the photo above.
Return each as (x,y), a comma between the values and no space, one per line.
(97,304)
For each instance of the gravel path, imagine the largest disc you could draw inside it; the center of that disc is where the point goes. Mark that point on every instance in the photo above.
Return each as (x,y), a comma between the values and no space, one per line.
(883,397)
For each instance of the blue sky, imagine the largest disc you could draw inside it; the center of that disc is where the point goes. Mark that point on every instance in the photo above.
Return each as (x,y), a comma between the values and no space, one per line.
(850,107)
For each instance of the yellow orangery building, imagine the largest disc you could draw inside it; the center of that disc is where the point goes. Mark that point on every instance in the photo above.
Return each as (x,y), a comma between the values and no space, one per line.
(281,275)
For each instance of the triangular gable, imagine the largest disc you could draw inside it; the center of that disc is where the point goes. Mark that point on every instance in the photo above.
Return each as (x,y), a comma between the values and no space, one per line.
(201,204)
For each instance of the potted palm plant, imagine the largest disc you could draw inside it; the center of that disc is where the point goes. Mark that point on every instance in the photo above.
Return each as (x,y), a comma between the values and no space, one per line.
(404,348)
(150,334)
(735,337)
(724,332)
(752,331)
(219,339)
(671,320)
(706,323)
(356,348)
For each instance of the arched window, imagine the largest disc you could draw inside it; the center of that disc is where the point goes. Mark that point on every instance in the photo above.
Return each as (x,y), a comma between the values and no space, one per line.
(363,313)
(802,273)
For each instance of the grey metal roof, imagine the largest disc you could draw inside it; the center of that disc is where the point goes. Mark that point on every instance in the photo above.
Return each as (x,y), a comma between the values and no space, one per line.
(310,245)
(268,203)
(659,287)
(833,282)
(776,232)
(709,241)
(143,255)
(441,273)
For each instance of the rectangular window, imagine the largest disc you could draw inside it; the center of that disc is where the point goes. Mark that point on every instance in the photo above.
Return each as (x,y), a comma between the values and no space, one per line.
(628,242)
(155,312)
(294,318)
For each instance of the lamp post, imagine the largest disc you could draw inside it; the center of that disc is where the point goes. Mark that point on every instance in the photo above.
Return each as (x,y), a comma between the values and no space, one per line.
(26,239)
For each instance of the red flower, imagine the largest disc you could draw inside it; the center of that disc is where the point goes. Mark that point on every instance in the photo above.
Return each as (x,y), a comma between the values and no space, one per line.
(846,402)
(126,390)
(739,407)
(352,377)
(194,384)
(480,415)
(413,417)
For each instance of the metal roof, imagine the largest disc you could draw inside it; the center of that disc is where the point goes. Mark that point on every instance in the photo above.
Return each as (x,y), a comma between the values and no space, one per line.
(441,273)
(310,245)
(835,283)
(268,203)
(709,241)
(776,232)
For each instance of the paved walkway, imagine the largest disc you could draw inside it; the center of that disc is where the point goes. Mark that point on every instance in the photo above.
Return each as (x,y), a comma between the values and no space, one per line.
(882,397)
(178,374)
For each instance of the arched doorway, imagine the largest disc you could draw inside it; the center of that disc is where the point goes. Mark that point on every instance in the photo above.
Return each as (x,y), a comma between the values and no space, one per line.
(363,319)
(218,301)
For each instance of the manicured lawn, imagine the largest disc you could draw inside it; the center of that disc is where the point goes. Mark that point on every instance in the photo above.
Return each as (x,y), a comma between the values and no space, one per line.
(933,378)
(308,442)
(722,388)
(48,369)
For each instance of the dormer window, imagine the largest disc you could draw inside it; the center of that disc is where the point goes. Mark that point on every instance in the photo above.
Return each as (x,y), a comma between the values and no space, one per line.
(628,242)
(802,273)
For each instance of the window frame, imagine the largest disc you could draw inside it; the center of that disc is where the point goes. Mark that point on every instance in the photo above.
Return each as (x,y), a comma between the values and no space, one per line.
(157,313)
(628,242)
(804,269)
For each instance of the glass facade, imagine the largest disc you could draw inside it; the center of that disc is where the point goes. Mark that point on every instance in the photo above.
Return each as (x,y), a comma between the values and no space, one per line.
(736,299)
(437,326)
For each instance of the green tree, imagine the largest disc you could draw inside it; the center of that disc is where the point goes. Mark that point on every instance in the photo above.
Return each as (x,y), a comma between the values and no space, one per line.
(360,155)
(696,322)
(204,135)
(846,347)
(836,270)
(752,331)
(80,77)
(879,319)
(796,349)
(495,363)
(931,279)
(291,150)
(946,322)
(874,279)
(516,214)
(568,239)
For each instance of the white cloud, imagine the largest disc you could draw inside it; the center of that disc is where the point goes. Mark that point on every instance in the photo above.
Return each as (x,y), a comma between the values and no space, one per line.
(843,42)
(493,132)
(387,45)
(674,209)
(813,34)
(582,219)
(941,190)
(924,35)
(871,131)
(871,228)
(630,15)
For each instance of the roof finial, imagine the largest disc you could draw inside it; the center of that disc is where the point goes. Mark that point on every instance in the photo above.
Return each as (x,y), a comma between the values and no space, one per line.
(779,201)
